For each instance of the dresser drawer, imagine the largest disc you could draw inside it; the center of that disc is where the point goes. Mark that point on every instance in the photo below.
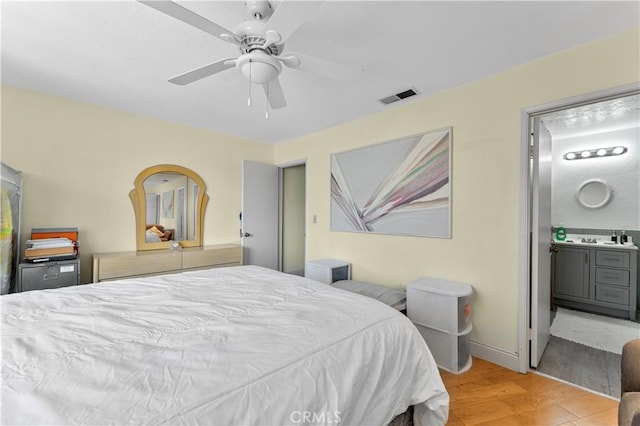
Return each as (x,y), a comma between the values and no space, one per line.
(146,263)
(617,295)
(612,276)
(110,266)
(193,258)
(616,259)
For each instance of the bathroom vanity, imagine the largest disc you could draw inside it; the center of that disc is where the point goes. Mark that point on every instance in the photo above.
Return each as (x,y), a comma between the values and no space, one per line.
(598,277)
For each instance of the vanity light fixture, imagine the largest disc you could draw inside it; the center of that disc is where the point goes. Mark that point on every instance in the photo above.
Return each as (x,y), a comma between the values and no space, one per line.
(595,153)
(619,150)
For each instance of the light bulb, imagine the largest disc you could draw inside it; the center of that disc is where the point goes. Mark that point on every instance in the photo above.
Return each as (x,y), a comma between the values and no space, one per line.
(601,152)
(618,150)
(585,154)
(571,156)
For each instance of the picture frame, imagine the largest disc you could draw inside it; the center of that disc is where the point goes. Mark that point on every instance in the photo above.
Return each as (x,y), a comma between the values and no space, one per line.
(398,187)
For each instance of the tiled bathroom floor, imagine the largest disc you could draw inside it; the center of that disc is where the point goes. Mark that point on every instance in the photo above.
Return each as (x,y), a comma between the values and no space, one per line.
(582,365)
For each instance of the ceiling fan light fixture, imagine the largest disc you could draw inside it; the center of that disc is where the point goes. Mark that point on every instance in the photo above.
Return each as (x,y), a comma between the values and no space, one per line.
(258,67)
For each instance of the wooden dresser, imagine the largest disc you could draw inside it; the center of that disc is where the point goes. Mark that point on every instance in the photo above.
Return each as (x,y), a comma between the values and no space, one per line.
(128,264)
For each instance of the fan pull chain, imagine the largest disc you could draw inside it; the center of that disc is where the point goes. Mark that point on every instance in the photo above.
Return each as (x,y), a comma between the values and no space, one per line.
(249,100)
(266,115)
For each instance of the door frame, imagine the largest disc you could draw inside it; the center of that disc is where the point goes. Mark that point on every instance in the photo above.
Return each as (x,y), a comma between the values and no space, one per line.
(524,234)
(281,168)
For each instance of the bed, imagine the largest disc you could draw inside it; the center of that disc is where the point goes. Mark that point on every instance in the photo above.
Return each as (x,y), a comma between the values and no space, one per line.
(239,346)
(155,233)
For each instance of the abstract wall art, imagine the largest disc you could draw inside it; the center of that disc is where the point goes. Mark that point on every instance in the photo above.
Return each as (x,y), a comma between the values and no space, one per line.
(400,187)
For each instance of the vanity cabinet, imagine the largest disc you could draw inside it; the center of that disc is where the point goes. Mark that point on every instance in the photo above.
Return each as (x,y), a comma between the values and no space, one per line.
(612,276)
(572,273)
(129,264)
(602,280)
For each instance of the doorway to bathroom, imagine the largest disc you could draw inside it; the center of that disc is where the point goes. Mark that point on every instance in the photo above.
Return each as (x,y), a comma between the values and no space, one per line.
(583,176)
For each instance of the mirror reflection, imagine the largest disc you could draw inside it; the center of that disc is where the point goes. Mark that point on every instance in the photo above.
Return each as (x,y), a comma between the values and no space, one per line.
(171,207)
(169,202)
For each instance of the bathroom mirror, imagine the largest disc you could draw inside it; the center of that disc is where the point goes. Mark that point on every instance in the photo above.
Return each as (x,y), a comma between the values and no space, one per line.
(594,194)
(169,203)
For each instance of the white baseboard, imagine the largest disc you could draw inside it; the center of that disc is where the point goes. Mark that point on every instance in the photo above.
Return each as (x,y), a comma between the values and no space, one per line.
(496,356)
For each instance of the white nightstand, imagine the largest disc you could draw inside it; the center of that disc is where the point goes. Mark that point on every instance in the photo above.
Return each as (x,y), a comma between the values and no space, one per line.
(328,270)
(441,311)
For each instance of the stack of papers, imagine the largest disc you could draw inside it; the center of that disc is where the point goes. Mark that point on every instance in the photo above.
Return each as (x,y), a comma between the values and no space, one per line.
(50,249)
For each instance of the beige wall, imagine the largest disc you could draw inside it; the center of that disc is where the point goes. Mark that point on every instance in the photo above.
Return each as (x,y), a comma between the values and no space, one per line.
(79,162)
(486,120)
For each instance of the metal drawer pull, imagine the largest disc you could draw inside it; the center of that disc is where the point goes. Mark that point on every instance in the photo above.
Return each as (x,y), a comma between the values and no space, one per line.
(48,277)
(612,258)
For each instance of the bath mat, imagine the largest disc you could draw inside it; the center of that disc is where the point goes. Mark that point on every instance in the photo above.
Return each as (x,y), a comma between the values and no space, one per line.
(596,331)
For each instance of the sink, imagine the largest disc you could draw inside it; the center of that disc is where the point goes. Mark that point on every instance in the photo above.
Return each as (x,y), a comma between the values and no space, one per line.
(589,240)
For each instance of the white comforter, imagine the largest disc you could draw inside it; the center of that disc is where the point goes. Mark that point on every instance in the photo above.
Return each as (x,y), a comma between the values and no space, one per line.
(239,346)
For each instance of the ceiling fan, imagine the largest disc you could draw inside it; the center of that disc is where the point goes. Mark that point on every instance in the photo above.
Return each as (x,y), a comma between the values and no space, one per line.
(261,45)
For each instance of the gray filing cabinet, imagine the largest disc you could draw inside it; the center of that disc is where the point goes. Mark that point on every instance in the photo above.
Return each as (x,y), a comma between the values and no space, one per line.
(45,275)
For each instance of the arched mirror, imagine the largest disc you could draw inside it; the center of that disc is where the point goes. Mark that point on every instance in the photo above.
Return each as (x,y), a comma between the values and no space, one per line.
(169,203)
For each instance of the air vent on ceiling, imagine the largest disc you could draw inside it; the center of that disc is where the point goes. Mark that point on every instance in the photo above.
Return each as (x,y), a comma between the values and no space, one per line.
(399,96)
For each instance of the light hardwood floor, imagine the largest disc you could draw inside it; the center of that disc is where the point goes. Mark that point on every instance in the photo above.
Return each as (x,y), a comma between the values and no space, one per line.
(491,395)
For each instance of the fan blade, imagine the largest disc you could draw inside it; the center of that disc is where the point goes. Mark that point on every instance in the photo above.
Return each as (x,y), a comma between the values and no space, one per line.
(188,17)
(274,93)
(290,15)
(202,72)
(322,67)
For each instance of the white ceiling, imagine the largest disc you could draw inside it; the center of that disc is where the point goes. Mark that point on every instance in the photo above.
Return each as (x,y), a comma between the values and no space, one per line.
(599,117)
(120,54)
